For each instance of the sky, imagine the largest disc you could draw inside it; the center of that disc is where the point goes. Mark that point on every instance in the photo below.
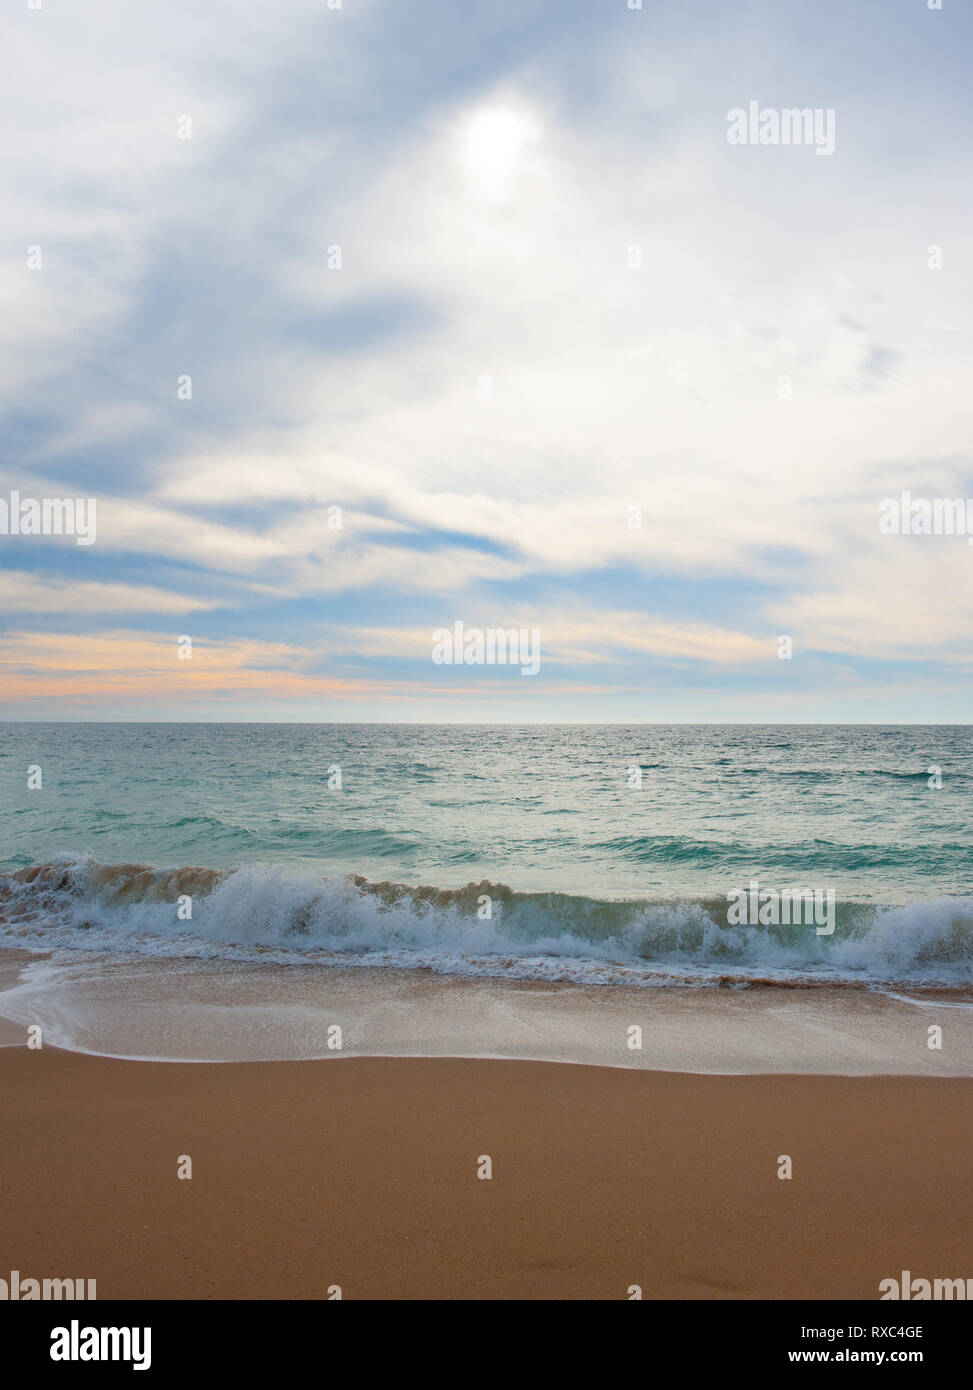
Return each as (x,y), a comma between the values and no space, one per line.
(487,284)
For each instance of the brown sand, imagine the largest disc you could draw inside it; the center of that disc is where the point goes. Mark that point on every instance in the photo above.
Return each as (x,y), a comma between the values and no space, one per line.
(362,1173)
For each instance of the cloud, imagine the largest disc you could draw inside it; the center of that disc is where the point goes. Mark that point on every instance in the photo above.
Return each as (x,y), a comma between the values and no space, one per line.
(562,296)
(21,591)
(121,664)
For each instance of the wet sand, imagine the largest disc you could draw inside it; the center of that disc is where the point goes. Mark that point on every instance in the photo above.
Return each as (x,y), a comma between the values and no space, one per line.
(190,1010)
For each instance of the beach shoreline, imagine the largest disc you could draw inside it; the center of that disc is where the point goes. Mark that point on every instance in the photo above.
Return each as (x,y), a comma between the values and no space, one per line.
(307,1176)
(158,1009)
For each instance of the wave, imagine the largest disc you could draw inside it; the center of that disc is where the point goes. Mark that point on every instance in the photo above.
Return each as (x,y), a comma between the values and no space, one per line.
(818,856)
(830,774)
(291,915)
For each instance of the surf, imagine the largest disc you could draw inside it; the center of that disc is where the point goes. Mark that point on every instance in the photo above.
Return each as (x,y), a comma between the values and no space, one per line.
(290,914)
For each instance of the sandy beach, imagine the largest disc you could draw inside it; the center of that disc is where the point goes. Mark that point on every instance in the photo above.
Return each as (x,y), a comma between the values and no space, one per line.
(362,1173)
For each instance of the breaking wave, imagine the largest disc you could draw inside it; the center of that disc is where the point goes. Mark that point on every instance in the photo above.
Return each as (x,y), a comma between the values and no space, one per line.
(291,915)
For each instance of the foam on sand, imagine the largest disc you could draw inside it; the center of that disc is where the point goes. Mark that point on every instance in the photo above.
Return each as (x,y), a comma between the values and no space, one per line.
(184,1010)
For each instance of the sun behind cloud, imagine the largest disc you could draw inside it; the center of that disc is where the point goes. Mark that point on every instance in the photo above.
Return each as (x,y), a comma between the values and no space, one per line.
(495,141)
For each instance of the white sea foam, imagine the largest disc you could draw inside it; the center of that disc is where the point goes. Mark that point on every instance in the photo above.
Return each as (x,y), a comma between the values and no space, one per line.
(288,915)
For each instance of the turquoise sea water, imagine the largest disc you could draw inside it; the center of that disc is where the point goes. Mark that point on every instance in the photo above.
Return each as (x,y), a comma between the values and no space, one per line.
(585,874)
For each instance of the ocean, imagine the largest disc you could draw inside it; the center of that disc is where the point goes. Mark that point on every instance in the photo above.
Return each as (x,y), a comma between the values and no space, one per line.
(596,856)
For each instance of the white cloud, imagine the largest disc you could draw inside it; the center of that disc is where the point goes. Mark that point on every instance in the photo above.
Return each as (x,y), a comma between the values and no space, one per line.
(24,592)
(536,387)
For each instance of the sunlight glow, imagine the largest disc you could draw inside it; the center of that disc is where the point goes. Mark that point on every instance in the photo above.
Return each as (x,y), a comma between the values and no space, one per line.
(495,140)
